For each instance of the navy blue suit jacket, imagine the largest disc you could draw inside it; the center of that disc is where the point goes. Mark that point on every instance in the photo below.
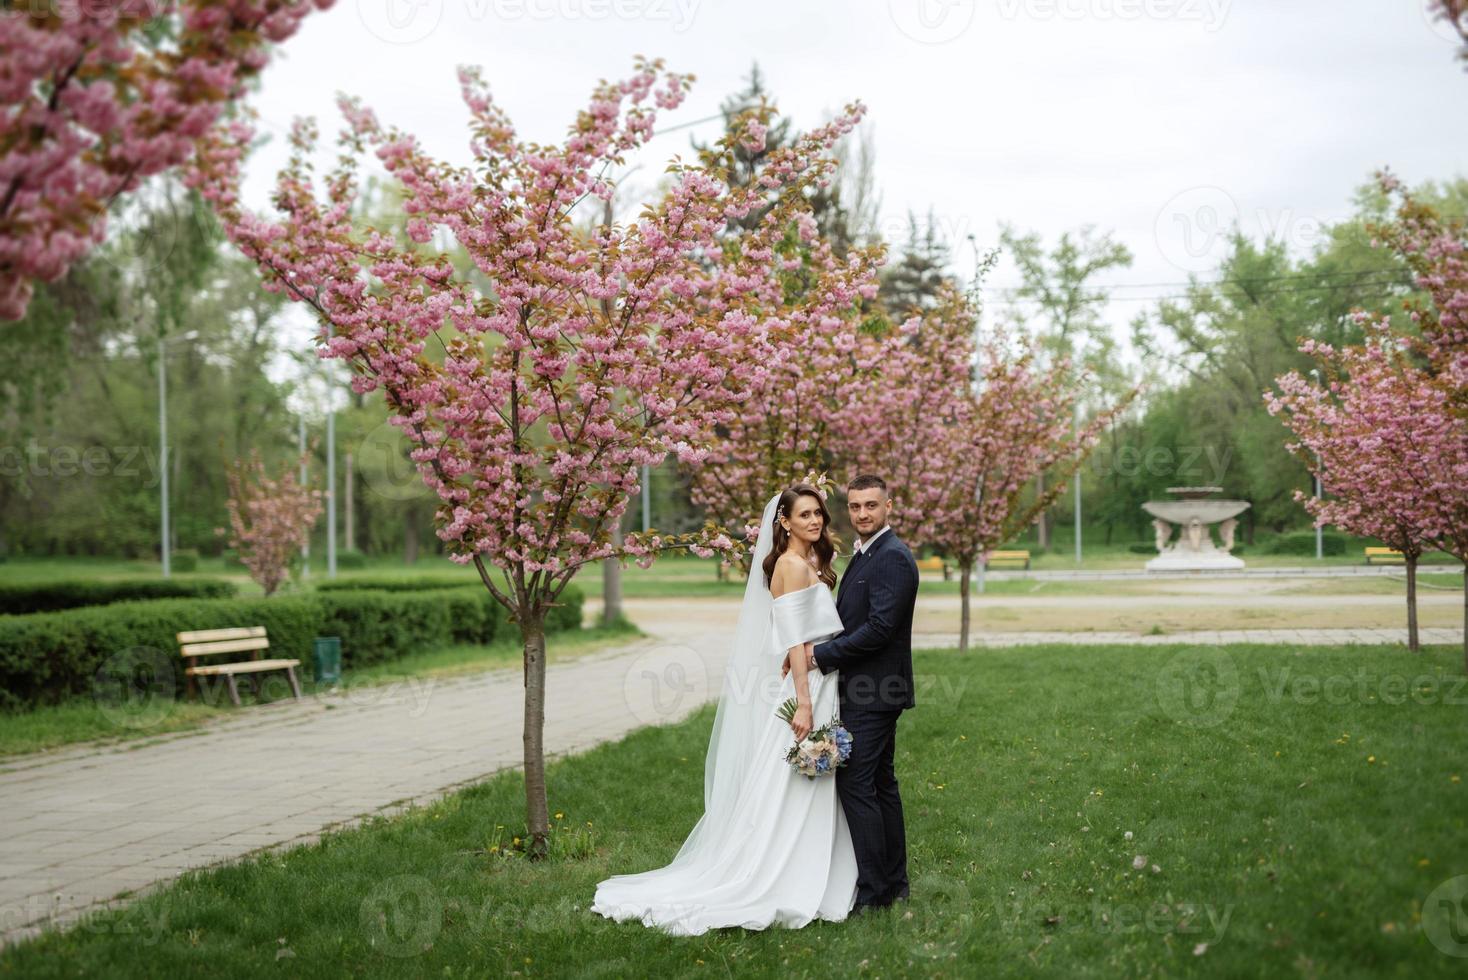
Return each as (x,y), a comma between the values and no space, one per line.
(874,653)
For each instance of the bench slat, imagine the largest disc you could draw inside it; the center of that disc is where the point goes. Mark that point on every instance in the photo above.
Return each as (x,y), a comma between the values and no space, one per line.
(231,633)
(223,646)
(244,667)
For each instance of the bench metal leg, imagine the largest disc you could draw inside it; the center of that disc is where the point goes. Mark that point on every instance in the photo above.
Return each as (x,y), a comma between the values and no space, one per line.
(234,691)
(295,685)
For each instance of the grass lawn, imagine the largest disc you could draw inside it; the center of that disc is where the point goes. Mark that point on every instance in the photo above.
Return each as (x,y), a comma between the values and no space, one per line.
(85,720)
(1225,811)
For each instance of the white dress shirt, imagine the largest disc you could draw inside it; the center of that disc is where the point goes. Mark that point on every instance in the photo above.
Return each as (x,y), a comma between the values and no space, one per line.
(863,546)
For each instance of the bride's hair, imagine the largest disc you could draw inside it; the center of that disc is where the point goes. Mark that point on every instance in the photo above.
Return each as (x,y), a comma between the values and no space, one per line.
(824,549)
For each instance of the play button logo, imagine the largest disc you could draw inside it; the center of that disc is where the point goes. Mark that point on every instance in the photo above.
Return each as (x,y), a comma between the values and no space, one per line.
(400,21)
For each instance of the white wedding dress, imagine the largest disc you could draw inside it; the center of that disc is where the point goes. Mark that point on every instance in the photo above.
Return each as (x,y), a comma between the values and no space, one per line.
(772,847)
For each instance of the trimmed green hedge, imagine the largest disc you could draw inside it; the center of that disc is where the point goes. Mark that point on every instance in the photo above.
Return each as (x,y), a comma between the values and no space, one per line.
(385,583)
(46,658)
(565,616)
(25,598)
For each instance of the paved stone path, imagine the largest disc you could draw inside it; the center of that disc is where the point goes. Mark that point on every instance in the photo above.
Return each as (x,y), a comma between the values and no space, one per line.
(1258,572)
(1310,637)
(84,824)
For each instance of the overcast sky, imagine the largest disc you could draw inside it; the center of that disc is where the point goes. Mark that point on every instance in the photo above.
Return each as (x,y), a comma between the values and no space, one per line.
(1161,120)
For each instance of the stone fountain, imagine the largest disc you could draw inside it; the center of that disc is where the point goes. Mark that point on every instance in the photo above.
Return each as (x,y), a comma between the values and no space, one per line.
(1193,514)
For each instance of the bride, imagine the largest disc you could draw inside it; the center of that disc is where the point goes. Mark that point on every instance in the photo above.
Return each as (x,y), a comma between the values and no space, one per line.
(772,846)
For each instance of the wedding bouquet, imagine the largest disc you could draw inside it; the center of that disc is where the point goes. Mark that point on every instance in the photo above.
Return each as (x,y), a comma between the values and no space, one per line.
(820,752)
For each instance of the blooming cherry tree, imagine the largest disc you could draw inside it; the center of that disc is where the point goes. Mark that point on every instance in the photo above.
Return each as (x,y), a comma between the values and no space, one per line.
(821,365)
(1387,432)
(1019,424)
(95,103)
(270,518)
(1387,449)
(596,348)
(961,451)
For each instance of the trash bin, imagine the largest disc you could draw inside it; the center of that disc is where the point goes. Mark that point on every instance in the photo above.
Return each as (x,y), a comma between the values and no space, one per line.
(326,659)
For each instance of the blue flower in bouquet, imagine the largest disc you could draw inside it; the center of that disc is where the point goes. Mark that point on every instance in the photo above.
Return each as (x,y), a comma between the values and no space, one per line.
(822,751)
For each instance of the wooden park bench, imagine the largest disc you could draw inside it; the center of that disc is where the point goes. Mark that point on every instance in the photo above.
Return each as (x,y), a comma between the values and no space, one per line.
(1021,558)
(1390,556)
(934,563)
(194,644)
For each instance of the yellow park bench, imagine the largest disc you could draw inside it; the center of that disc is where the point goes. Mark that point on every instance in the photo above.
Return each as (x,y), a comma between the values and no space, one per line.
(194,644)
(934,563)
(1389,556)
(1020,558)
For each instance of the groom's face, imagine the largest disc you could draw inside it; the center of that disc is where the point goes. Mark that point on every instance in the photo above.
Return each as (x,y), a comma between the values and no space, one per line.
(868,509)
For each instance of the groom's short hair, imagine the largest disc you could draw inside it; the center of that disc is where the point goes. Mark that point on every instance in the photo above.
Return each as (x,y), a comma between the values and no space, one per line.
(867,481)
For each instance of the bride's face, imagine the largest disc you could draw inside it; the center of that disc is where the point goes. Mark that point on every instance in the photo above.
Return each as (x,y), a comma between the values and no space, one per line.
(805,521)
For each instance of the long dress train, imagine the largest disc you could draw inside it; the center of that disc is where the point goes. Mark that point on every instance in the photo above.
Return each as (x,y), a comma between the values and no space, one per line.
(775,850)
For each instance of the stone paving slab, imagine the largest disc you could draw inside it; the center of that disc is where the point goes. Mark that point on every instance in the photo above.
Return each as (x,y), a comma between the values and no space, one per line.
(86,823)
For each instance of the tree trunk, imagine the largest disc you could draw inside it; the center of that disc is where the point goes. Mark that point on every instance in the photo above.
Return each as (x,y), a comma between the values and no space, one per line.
(1412,643)
(1043,520)
(1465,620)
(537,813)
(611,584)
(963,621)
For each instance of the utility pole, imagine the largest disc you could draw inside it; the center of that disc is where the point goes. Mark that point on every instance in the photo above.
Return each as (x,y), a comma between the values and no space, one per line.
(301,450)
(330,468)
(163,453)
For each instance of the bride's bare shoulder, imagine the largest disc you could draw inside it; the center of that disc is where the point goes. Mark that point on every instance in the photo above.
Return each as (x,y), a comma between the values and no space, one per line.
(791,574)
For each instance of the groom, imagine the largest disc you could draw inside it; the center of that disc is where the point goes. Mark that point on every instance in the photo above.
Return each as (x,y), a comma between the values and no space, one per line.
(874,655)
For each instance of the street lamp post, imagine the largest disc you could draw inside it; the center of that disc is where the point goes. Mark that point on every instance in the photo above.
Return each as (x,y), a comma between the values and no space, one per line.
(1077,427)
(1319,530)
(646,497)
(165,531)
(301,449)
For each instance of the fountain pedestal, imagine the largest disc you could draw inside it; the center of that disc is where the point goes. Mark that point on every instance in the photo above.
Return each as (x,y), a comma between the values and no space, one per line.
(1193,516)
